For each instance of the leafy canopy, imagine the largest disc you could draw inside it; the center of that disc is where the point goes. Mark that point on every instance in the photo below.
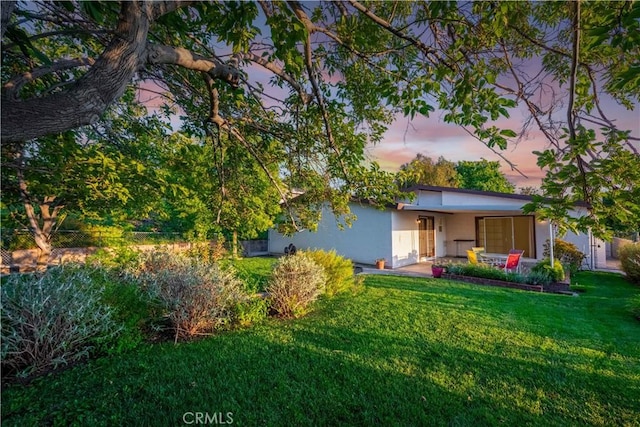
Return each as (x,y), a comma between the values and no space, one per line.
(317,82)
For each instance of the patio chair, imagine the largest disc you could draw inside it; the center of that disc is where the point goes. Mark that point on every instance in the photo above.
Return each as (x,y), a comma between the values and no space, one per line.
(478,249)
(512,263)
(472,257)
(517,251)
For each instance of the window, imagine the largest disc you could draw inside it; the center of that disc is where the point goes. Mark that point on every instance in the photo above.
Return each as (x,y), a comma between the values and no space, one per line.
(500,234)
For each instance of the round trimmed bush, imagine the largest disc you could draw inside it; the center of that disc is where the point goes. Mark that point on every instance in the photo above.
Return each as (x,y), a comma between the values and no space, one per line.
(629,256)
(296,282)
(337,269)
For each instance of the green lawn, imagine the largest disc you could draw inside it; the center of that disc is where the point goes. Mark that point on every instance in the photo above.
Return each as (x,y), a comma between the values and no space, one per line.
(403,351)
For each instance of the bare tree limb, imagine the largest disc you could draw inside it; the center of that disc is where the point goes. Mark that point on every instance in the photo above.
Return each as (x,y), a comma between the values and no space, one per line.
(571,114)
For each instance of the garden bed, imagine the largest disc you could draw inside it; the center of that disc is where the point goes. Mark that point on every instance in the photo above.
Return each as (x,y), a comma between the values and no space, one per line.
(552,288)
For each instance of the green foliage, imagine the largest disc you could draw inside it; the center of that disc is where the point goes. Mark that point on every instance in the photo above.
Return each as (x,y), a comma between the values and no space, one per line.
(209,252)
(53,319)
(541,274)
(307,122)
(132,308)
(251,310)
(337,269)
(296,282)
(483,175)
(423,171)
(555,273)
(629,256)
(567,253)
(540,277)
(198,298)
(479,270)
(121,258)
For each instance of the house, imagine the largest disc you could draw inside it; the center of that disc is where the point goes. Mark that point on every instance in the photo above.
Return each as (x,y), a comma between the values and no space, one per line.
(439,222)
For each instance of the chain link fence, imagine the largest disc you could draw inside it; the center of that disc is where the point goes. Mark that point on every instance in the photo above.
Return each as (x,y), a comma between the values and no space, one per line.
(18,247)
(23,239)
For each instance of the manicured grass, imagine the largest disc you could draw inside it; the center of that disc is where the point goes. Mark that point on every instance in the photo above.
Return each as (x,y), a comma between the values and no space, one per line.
(403,351)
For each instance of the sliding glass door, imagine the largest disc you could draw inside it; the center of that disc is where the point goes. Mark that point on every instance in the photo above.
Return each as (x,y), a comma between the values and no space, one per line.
(501,234)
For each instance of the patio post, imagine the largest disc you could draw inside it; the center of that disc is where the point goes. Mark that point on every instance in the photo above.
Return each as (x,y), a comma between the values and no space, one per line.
(551,242)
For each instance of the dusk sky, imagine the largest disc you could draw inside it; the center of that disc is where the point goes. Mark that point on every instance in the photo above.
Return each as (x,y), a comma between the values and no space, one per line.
(434,138)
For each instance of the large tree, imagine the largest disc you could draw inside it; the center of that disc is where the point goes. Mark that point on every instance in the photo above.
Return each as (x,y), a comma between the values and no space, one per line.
(424,171)
(116,176)
(324,79)
(483,175)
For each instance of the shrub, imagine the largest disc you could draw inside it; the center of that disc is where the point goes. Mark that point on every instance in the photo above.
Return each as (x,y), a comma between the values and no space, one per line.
(254,272)
(477,270)
(337,269)
(251,310)
(544,267)
(122,257)
(105,235)
(296,282)
(198,298)
(132,308)
(210,252)
(567,253)
(52,319)
(540,278)
(629,256)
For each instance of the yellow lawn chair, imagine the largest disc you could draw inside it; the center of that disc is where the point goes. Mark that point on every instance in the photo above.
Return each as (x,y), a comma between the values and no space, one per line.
(472,257)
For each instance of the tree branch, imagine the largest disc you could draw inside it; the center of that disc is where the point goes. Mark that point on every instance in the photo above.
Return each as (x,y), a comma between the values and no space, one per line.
(161,54)
(571,114)
(103,83)
(13,86)
(304,19)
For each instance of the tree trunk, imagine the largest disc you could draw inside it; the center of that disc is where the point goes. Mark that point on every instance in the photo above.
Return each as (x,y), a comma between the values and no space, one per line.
(42,224)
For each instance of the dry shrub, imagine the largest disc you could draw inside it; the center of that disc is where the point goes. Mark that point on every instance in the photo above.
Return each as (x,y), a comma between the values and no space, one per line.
(212,251)
(52,319)
(629,256)
(296,282)
(199,298)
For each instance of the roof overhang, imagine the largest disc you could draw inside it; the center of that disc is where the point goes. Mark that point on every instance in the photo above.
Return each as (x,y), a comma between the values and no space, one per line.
(450,209)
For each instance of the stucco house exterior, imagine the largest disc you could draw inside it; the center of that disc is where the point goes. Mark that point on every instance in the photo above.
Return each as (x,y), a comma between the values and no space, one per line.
(439,222)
